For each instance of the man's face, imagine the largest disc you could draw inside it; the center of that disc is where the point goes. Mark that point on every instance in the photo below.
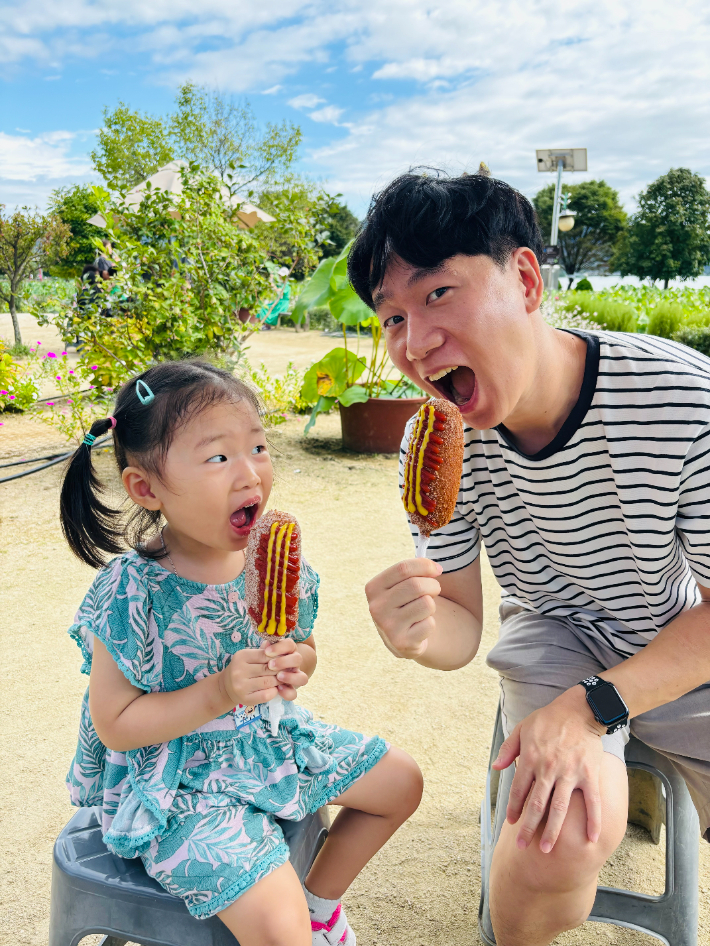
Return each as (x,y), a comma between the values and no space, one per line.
(469,315)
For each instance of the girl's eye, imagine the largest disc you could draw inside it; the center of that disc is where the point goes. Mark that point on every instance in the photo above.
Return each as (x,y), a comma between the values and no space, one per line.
(437,294)
(393,320)
(218,458)
(260,448)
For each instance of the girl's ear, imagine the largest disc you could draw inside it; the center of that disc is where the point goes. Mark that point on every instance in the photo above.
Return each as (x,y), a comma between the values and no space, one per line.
(137,484)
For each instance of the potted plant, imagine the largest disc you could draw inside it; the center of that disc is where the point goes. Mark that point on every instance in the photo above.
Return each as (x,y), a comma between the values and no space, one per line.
(374,406)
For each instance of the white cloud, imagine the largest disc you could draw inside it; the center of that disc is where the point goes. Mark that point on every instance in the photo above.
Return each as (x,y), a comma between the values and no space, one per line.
(331,114)
(305,101)
(273,90)
(30,168)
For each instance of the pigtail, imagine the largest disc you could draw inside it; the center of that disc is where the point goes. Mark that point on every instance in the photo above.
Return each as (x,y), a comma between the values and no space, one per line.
(89,525)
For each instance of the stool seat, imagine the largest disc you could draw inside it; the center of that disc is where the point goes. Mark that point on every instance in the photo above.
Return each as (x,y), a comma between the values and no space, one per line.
(94,891)
(671,917)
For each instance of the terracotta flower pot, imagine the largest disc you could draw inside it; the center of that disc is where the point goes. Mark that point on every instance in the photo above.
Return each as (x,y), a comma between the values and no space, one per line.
(377,425)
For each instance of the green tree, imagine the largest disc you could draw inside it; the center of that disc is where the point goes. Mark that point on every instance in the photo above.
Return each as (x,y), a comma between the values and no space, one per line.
(184,270)
(207,127)
(29,240)
(342,227)
(75,206)
(600,220)
(131,147)
(669,236)
(222,134)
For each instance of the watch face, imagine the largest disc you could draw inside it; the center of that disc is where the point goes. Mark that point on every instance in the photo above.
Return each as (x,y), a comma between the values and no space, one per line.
(608,704)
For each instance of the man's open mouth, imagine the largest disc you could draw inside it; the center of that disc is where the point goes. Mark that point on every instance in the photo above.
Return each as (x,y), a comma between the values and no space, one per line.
(457,384)
(244,517)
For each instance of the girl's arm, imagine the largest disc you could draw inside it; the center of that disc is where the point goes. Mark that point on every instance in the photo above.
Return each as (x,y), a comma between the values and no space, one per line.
(128,718)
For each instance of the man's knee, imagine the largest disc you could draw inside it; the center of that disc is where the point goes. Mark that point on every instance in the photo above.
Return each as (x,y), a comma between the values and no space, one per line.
(574,861)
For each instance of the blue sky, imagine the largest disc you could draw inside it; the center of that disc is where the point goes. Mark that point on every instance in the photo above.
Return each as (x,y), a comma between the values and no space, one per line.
(377,87)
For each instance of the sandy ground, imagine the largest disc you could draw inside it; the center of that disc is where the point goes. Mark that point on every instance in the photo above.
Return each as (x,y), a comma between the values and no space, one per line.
(423,888)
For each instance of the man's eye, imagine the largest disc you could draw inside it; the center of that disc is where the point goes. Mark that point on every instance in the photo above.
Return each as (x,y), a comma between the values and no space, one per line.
(393,320)
(437,294)
(218,458)
(260,448)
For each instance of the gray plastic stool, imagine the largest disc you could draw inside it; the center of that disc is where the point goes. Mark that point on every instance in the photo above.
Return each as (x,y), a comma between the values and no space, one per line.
(671,917)
(93,891)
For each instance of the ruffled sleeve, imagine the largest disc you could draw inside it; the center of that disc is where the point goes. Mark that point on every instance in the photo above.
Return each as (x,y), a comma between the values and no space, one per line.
(308,602)
(117,610)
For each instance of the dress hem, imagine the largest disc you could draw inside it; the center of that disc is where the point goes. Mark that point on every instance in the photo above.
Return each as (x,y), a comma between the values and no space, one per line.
(278,857)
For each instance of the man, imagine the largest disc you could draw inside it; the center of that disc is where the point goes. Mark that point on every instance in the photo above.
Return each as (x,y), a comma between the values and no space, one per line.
(586,474)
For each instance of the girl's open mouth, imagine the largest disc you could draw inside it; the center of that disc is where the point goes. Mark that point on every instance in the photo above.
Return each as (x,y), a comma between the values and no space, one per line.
(243,518)
(458,386)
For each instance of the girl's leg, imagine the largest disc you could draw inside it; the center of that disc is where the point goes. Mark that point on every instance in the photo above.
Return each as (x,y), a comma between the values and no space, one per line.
(271,913)
(372,810)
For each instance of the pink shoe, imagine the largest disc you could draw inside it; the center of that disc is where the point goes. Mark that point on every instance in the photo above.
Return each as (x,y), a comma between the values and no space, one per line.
(336,932)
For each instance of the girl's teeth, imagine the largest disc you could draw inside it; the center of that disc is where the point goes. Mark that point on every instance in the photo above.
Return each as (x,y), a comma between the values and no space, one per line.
(442,373)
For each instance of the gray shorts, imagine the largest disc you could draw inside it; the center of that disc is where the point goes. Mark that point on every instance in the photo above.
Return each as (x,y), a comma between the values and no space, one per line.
(538,657)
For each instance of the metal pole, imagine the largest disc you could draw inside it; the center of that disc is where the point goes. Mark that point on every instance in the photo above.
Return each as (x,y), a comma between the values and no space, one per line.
(556,206)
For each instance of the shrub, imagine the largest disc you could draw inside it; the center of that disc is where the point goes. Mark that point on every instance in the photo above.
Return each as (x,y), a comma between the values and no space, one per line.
(665,319)
(608,314)
(584,285)
(697,337)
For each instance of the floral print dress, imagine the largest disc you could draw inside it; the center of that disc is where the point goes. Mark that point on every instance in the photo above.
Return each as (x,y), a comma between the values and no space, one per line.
(201,810)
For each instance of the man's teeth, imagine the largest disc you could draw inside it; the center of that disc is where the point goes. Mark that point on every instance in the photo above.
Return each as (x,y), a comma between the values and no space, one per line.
(441,374)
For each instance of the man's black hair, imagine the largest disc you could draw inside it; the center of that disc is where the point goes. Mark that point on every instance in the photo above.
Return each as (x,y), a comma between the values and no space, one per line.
(423,220)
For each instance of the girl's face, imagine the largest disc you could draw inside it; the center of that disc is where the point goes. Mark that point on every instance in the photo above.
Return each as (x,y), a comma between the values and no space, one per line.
(216,479)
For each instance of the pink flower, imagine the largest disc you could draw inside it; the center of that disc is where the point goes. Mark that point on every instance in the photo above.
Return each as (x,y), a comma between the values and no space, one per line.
(32,350)
(39,343)
(3,392)
(2,424)
(12,397)
(63,353)
(69,401)
(71,372)
(50,354)
(59,377)
(92,385)
(50,403)
(94,367)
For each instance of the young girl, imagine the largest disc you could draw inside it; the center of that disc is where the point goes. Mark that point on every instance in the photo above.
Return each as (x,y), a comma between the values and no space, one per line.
(170,745)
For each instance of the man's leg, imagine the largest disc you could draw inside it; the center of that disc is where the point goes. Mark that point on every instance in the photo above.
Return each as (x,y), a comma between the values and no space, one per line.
(536,896)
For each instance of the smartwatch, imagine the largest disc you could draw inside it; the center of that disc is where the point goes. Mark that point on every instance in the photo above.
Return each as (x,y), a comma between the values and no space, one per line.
(606,704)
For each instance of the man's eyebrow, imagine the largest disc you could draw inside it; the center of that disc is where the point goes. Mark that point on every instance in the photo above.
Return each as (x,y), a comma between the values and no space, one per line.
(422,272)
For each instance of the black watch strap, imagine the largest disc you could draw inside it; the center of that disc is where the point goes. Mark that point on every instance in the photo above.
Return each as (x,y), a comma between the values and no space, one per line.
(593,684)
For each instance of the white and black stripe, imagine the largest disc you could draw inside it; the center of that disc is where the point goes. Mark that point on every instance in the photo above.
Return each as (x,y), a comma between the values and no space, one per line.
(609,525)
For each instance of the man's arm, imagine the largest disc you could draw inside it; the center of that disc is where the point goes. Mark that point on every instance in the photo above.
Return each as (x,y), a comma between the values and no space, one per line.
(428,616)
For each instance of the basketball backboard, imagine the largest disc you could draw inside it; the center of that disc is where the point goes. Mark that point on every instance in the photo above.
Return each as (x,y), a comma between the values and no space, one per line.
(573,159)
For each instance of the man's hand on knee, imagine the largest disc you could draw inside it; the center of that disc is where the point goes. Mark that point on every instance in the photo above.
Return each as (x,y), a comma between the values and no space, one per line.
(558,749)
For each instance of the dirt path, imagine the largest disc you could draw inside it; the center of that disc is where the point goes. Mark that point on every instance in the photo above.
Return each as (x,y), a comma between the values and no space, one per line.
(423,889)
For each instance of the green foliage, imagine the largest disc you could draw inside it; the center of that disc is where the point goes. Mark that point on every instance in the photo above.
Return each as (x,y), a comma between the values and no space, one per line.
(206,127)
(296,237)
(222,134)
(599,221)
(697,337)
(184,270)
(18,388)
(77,404)
(75,206)
(665,319)
(39,292)
(669,237)
(342,226)
(278,394)
(606,313)
(584,285)
(131,146)
(29,241)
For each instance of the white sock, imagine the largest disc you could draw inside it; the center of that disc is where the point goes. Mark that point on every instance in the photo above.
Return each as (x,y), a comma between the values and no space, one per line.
(321,910)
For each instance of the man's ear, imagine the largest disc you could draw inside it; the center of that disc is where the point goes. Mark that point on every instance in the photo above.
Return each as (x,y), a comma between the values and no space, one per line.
(530,277)
(137,484)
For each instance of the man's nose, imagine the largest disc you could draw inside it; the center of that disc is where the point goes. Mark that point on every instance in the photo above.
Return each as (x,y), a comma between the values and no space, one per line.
(422,337)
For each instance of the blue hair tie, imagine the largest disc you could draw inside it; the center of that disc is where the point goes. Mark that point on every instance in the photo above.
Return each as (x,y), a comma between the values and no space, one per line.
(89,440)
(143,398)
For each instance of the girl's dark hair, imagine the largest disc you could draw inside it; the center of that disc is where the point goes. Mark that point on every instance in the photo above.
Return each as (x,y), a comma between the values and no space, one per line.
(142,435)
(426,218)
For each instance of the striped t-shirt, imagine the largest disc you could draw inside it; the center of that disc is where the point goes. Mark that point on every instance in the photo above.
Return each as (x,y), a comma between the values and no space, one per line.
(609,524)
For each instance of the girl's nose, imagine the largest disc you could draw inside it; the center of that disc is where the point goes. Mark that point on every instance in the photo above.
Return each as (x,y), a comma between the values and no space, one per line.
(247,476)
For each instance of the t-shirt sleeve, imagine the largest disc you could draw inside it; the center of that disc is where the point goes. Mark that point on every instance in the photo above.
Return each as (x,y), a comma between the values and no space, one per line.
(117,611)
(458,543)
(693,517)
(307,602)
